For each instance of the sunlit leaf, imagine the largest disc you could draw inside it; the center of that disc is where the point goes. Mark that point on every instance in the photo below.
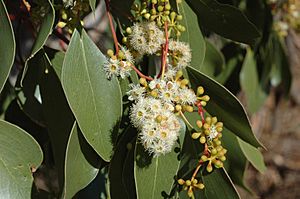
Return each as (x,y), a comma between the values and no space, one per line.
(19,154)
(94,100)
(81,164)
(7,45)
(193,35)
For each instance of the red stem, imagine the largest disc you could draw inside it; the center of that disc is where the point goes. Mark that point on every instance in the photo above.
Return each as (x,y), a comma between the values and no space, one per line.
(141,74)
(111,24)
(165,50)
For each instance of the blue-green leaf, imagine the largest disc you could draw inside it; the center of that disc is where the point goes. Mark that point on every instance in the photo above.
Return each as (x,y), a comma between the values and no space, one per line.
(94,100)
(19,154)
(7,45)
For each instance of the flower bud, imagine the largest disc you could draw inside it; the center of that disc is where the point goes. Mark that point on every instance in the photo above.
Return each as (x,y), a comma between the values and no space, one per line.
(196,135)
(181,181)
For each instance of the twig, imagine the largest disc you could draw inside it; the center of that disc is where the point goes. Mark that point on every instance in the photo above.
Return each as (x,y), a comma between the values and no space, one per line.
(112,28)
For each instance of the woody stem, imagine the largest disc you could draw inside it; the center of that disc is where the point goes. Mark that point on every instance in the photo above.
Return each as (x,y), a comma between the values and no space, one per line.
(111,24)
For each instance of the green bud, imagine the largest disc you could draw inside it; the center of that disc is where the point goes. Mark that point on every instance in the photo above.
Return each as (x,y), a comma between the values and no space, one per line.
(124,39)
(209,168)
(214,151)
(160,8)
(181,181)
(110,52)
(173,15)
(204,158)
(196,135)
(128,30)
(168,6)
(147,16)
(179,17)
(202,139)
(188,183)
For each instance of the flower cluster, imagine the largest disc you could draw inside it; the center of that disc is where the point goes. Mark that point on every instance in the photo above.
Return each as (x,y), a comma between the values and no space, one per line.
(286,15)
(119,65)
(155,111)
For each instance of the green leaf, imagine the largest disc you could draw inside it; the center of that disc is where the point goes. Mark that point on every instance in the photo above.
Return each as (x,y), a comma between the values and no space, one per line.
(19,153)
(81,165)
(219,186)
(58,116)
(225,106)
(225,20)
(193,35)
(250,84)
(236,161)
(119,167)
(253,155)
(154,175)
(42,35)
(7,45)
(94,100)
(214,61)
(55,58)
(92,4)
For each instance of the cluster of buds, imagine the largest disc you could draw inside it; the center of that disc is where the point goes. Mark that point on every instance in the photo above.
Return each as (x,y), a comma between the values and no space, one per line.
(286,15)
(72,13)
(190,186)
(210,134)
(160,12)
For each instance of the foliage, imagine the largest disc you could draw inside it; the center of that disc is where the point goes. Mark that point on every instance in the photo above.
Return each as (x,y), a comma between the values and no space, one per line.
(154,117)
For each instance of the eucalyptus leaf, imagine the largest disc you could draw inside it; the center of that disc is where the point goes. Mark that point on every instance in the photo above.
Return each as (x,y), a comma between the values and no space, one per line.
(214,61)
(225,106)
(94,100)
(225,20)
(219,186)
(193,35)
(7,45)
(250,84)
(236,162)
(58,116)
(43,33)
(154,175)
(118,186)
(92,4)
(19,154)
(253,155)
(81,165)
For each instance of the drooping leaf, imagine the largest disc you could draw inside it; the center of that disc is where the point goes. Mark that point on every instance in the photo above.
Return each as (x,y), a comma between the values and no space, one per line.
(154,176)
(250,84)
(43,33)
(213,62)
(193,35)
(118,184)
(225,20)
(58,116)
(19,154)
(82,164)
(7,45)
(219,186)
(225,106)
(253,155)
(92,4)
(236,161)
(94,100)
